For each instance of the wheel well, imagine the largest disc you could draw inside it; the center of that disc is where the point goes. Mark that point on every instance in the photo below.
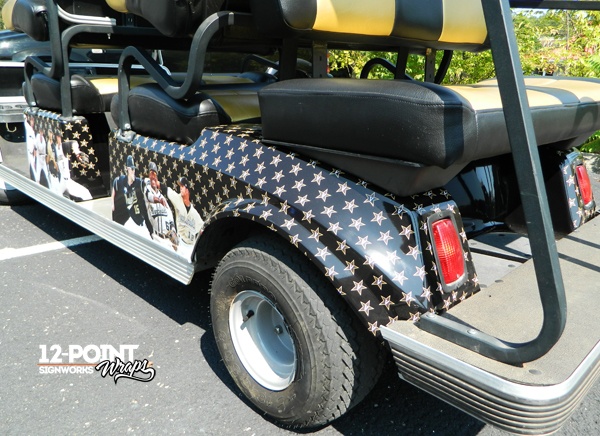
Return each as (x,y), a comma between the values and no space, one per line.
(220,237)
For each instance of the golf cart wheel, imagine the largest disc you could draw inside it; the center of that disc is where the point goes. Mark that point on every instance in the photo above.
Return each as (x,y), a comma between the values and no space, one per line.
(288,340)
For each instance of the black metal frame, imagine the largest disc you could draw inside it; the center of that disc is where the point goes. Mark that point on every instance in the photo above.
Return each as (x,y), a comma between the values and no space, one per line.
(193,78)
(533,196)
(59,48)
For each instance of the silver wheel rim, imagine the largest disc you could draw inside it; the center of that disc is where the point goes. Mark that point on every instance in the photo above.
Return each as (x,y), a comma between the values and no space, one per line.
(262,341)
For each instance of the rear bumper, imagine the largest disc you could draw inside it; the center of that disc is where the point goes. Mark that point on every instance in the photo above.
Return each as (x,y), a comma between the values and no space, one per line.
(12,109)
(514,407)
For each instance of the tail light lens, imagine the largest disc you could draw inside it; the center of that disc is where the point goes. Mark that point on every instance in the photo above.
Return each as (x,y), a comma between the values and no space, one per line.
(449,250)
(585,187)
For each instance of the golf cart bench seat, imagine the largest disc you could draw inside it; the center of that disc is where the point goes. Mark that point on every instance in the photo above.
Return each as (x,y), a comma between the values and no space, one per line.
(223,100)
(371,127)
(152,112)
(422,123)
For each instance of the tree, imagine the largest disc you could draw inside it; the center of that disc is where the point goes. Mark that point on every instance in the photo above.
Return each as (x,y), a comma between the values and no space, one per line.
(1,6)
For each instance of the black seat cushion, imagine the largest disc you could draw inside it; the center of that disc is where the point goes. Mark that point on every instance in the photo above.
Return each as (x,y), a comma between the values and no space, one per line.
(153,113)
(419,122)
(86,98)
(174,18)
(29,16)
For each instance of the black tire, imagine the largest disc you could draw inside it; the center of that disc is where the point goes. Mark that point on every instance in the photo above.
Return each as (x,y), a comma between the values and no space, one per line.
(9,196)
(337,360)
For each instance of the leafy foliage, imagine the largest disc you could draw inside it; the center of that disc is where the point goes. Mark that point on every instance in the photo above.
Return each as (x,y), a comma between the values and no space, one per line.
(550,42)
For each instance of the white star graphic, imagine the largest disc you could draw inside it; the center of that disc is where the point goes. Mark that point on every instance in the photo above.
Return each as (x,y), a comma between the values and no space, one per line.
(296,169)
(278,176)
(350,206)
(365,307)
(343,188)
(295,240)
(414,317)
(358,287)
(318,178)
(400,277)
(260,167)
(322,253)
(357,224)
(299,185)
(407,298)
(363,242)
(407,231)
(315,234)
(378,281)
(303,200)
(378,217)
(413,251)
(334,228)
(385,237)
(386,301)
(308,216)
(371,199)
(373,328)
(288,224)
(420,272)
(331,273)
(280,190)
(284,207)
(323,195)
(275,161)
(266,214)
(328,211)
(342,246)
(426,293)
(350,266)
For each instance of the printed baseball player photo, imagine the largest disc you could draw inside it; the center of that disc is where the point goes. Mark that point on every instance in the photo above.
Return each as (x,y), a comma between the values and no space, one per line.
(128,204)
(60,171)
(159,212)
(49,160)
(187,219)
(36,152)
(148,207)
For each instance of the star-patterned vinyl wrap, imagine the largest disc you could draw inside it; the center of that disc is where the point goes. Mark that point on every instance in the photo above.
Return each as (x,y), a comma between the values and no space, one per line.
(579,213)
(373,247)
(73,129)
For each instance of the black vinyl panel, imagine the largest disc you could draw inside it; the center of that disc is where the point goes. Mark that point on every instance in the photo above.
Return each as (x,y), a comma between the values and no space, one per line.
(423,20)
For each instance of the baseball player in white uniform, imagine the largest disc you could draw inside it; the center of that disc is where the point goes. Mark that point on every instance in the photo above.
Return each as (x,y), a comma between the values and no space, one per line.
(188,220)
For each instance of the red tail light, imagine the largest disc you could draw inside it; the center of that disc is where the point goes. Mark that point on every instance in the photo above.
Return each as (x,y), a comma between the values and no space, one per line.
(585,187)
(449,250)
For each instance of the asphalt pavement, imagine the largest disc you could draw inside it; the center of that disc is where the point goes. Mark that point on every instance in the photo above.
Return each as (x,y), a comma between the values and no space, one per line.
(65,295)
